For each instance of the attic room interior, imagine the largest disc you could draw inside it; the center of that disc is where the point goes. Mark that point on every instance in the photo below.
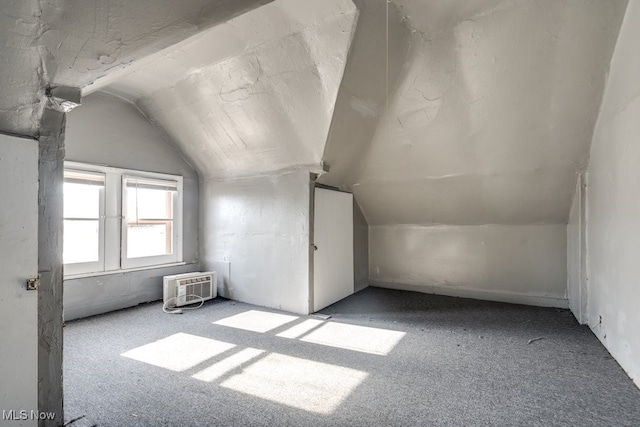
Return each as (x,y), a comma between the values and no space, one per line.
(409,212)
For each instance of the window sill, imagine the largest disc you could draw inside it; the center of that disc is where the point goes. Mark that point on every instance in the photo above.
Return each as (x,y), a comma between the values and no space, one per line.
(127,270)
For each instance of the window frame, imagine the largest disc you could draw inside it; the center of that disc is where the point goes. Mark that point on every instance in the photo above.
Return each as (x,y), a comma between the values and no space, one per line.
(91,266)
(113,223)
(174,257)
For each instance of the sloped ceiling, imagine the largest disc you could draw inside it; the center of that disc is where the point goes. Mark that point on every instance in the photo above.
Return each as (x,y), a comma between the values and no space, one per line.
(491,117)
(253,95)
(432,112)
(75,42)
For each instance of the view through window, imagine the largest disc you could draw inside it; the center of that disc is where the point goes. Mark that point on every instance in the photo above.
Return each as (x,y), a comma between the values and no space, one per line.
(149,217)
(83,214)
(118,219)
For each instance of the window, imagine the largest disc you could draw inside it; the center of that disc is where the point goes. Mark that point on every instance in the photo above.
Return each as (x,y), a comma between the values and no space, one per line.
(83,221)
(120,219)
(148,229)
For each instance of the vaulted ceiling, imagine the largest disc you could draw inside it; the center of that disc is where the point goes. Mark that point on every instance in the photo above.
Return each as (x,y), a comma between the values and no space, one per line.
(252,95)
(431,112)
(492,116)
(75,42)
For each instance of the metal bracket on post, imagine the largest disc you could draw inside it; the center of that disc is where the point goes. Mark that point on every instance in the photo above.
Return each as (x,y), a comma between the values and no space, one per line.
(33,284)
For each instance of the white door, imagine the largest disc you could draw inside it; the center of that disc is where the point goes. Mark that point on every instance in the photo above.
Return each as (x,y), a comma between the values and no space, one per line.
(333,238)
(18,262)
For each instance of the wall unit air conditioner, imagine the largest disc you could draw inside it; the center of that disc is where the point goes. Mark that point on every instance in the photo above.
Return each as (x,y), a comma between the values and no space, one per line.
(189,288)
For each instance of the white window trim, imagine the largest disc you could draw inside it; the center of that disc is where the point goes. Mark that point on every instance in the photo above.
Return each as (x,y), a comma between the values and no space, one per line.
(176,256)
(127,270)
(89,267)
(113,249)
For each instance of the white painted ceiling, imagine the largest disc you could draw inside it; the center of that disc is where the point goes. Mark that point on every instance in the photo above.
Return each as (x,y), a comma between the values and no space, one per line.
(432,112)
(253,95)
(491,117)
(75,42)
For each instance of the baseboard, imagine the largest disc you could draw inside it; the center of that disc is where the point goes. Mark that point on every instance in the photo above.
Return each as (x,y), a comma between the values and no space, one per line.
(513,298)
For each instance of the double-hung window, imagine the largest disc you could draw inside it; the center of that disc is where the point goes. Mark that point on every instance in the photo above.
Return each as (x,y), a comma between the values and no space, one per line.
(148,232)
(83,221)
(116,219)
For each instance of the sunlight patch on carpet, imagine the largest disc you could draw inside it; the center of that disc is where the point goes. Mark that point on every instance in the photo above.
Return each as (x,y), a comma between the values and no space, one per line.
(357,338)
(178,352)
(304,384)
(256,321)
(227,365)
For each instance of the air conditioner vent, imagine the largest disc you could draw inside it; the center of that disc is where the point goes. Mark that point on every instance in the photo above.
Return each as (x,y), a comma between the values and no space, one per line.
(189,288)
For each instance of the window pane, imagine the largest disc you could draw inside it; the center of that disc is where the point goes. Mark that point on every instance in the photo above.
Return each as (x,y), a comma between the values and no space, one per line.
(149,239)
(144,203)
(81,241)
(81,200)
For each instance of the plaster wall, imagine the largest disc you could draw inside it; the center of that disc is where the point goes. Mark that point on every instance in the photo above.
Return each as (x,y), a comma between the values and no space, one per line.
(577,290)
(75,43)
(50,269)
(109,131)
(89,296)
(479,136)
(573,255)
(21,68)
(254,95)
(484,127)
(360,249)
(613,206)
(377,58)
(519,264)
(256,232)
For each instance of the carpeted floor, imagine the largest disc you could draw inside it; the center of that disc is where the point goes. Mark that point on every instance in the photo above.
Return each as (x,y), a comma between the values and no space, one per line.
(383,358)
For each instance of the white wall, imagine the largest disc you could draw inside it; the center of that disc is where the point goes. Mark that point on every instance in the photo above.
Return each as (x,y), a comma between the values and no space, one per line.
(360,249)
(255,232)
(18,261)
(520,264)
(100,294)
(577,290)
(109,131)
(613,206)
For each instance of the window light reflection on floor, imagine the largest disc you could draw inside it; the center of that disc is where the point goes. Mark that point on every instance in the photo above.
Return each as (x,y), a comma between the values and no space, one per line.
(227,365)
(300,329)
(333,334)
(309,385)
(304,384)
(178,352)
(256,321)
(357,338)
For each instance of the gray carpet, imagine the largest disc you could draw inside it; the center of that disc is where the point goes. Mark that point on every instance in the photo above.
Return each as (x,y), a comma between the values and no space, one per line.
(458,362)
